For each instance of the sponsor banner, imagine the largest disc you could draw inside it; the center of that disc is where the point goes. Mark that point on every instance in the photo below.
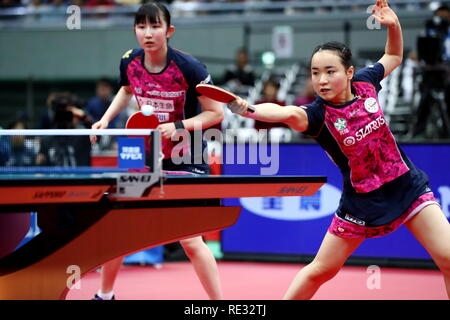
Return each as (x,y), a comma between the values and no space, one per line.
(51,194)
(135,184)
(131,153)
(297,225)
(295,208)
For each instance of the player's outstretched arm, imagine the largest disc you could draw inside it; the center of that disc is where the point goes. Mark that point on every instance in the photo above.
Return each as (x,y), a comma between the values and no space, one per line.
(120,101)
(295,117)
(212,113)
(393,55)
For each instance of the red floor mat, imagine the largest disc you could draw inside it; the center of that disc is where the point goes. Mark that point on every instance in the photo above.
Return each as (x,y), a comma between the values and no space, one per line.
(263,281)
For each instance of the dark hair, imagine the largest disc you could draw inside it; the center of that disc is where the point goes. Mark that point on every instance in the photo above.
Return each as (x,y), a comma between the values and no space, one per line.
(152,12)
(19,118)
(105,82)
(272,81)
(61,100)
(442,7)
(344,52)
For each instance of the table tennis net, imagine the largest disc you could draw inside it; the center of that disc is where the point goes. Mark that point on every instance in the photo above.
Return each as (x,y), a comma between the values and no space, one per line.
(71,150)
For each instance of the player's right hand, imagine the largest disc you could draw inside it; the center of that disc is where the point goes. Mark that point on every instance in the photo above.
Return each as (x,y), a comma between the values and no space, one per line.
(239,106)
(102,124)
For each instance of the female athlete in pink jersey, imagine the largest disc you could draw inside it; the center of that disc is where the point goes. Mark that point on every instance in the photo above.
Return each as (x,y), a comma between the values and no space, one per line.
(382,188)
(165,78)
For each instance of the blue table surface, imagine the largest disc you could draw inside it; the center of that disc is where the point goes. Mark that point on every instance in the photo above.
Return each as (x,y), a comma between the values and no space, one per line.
(20,175)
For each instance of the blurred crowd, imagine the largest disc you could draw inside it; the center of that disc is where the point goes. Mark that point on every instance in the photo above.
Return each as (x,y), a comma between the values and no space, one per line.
(175,3)
(193,8)
(94,3)
(64,110)
(426,70)
(57,3)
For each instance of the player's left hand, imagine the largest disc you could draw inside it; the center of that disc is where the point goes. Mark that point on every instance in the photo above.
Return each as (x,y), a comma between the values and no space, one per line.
(167,129)
(383,14)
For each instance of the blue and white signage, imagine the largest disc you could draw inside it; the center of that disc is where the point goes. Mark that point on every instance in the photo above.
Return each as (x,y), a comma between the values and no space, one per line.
(321,204)
(131,153)
(297,225)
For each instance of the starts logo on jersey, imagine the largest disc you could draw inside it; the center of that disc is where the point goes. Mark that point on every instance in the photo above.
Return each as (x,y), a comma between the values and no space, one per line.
(365,131)
(370,127)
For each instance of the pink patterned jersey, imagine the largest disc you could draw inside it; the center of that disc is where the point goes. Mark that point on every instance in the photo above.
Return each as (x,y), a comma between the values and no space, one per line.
(357,138)
(171,92)
(363,135)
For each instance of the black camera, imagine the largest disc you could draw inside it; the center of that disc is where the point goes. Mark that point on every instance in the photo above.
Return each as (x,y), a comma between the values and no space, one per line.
(437,26)
(431,47)
(63,116)
(430,50)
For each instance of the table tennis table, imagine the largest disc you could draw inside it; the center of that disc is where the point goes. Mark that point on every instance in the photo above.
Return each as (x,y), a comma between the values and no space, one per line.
(83,225)
(89,216)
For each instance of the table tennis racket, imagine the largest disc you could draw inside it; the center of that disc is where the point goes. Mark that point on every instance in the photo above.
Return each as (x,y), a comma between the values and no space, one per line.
(218,94)
(140,121)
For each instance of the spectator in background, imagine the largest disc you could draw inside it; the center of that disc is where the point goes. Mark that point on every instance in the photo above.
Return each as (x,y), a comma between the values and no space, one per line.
(438,25)
(270,95)
(240,74)
(307,95)
(434,54)
(66,151)
(410,66)
(34,4)
(17,150)
(21,150)
(58,3)
(47,116)
(4,150)
(55,10)
(97,3)
(185,8)
(4,4)
(129,2)
(96,106)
